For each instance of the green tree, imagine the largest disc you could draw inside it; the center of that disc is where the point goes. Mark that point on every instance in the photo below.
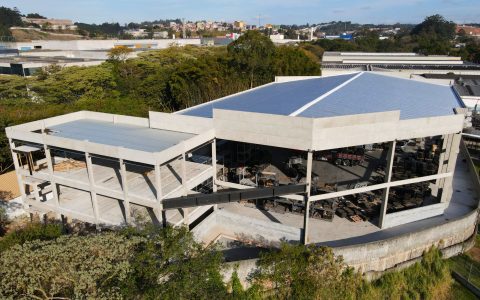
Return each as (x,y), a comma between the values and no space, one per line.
(253,52)
(436,25)
(237,291)
(80,267)
(434,35)
(169,264)
(8,18)
(35,16)
(3,219)
(119,53)
(292,61)
(76,84)
(305,272)
(31,232)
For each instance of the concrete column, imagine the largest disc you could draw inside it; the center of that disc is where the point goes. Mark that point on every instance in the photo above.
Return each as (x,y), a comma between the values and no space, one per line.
(388,178)
(159,194)
(21,185)
(447,140)
(126,200)
(93,194)
(447,189)
(214,165)
(184,211)
(444,156)
(53,183)
(308,181)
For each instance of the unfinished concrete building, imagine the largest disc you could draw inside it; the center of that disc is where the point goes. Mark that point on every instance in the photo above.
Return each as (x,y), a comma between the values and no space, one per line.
(356,162)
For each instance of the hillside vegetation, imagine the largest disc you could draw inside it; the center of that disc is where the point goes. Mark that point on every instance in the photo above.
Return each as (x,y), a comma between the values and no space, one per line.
(40,262)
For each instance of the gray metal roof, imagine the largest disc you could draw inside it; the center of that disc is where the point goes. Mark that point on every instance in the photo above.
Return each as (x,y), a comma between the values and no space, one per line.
(121,135)
(356,93)
(375,93)
(277,98)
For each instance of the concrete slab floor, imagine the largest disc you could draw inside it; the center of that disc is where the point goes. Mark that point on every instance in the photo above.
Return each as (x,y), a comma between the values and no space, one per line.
(342,232)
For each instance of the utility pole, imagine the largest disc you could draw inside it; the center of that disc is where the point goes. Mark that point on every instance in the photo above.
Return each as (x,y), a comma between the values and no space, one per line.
(184,32)
(259,17)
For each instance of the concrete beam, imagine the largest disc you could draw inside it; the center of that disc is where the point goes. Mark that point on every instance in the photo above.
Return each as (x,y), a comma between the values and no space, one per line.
(379,186)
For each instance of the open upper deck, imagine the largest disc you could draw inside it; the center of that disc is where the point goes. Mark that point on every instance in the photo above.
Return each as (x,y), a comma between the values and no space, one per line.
(150,141)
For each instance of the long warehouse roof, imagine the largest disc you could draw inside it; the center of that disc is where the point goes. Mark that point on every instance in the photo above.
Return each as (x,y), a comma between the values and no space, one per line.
(340,95)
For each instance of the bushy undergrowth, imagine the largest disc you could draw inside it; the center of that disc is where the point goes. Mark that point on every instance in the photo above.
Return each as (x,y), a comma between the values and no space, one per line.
(154,263)
(31,232)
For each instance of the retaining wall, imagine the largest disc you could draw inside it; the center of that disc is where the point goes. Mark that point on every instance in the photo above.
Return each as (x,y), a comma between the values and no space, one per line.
(385,254)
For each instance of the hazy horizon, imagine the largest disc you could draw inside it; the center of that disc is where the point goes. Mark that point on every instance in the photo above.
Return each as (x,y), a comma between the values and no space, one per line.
(275,12)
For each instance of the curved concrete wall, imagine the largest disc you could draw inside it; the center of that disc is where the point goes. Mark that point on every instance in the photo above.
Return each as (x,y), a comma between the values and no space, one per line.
(385,254)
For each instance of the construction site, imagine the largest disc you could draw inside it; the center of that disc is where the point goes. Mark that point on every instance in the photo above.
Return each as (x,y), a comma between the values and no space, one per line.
(346,161)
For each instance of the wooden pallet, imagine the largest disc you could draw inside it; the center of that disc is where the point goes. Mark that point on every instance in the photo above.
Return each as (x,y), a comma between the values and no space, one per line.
(356,218)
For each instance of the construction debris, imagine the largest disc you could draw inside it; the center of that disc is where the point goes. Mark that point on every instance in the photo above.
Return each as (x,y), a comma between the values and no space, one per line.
(69,164)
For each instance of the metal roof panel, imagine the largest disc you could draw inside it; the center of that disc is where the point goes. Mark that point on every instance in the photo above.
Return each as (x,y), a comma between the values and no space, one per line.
(372,92)
(278,98)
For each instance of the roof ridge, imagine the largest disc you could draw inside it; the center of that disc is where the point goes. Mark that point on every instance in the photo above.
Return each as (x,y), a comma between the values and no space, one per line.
(324,95)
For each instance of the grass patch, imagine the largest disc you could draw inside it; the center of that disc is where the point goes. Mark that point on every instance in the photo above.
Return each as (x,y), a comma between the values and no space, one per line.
(459,292)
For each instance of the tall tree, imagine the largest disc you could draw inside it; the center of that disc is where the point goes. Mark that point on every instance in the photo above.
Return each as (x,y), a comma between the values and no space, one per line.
(437,26)
(253,52)
(434,35)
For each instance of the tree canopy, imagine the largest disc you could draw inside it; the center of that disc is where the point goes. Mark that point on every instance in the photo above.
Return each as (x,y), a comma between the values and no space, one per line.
(254,53)
(8,18)
(437,26)
(35,16)
(167,263)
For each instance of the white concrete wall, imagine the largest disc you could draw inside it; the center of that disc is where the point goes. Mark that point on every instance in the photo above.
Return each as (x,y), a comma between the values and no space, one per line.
(244,229)
(98,44)
(412,215)
(385,254)
(177,122)
(327,133)
(264,129)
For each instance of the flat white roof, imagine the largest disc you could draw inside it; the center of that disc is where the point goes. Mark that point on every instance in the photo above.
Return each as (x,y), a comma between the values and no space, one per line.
(120,135)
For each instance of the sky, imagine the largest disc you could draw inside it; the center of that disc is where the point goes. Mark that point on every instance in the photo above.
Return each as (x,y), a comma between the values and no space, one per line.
(270,11)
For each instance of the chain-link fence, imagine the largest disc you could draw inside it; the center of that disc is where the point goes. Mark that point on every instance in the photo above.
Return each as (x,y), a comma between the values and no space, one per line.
(467,267)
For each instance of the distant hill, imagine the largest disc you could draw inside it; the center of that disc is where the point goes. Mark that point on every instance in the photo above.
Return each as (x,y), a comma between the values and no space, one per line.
(27,35)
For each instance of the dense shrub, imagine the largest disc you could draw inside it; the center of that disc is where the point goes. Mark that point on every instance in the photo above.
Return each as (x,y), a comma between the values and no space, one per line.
(31,232)
(74,267)
(3,221)
(167,263)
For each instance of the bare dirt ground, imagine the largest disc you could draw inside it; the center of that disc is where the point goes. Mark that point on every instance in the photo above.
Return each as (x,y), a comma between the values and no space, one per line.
(25,35)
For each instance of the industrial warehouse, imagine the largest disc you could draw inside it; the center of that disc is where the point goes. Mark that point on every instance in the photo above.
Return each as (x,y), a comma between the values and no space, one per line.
(346,161)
